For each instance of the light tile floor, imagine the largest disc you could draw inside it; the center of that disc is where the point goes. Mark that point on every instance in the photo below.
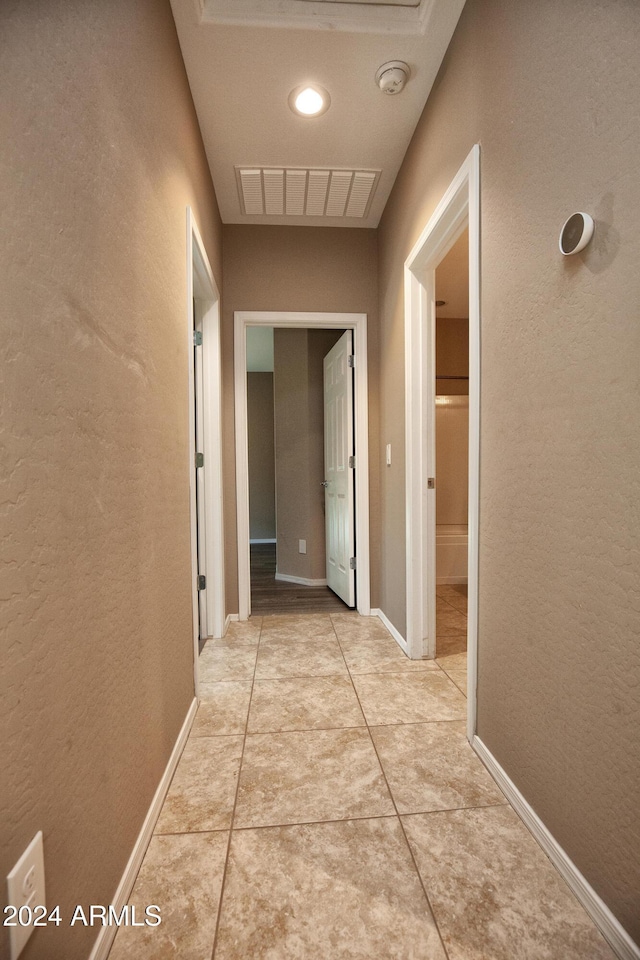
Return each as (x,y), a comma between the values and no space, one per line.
(451,632)
(327,806)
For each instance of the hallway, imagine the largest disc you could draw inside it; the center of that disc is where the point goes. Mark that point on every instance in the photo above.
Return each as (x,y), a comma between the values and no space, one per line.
(328,798)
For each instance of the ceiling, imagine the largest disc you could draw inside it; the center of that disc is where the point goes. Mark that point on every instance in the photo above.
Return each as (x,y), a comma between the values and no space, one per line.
(244,57)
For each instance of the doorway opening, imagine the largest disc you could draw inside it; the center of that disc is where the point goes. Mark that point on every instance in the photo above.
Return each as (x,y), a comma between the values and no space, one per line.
(452,459)
(287,455)
(284,494)
(205,444)
(457,212)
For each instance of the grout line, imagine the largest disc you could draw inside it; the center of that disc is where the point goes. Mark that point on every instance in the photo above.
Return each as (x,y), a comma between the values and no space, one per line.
(333,676)
(190,833)
(214,736)
(305,676)
(312,823)
(477,806)
(412,723)
(457,685)
(235,803)
(271,733)
(404,673)
(474,806)
(207,683)
(378,816)
(452,605)
(406,839)
(360,726)
(394,673)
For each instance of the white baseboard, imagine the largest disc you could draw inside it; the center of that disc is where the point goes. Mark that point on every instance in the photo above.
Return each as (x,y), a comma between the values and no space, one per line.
(397,636)
(263,541)
(451,580)
(613,932)
(303,581)
(105,938)
(231,618)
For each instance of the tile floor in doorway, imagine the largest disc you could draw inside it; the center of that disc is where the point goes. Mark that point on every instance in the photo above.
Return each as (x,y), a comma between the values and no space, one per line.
(451,631)
(327,806)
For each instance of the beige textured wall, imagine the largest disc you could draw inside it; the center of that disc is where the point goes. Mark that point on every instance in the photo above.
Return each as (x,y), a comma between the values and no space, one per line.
(299,431)
(100,156)
(262,470)
(297,268)
(552,98)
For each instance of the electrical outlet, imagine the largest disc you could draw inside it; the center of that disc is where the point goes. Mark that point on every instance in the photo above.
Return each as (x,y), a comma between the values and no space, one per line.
(302,546)
(25,888)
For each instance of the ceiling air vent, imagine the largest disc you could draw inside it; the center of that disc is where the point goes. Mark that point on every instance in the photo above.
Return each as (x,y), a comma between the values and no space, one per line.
(298,192)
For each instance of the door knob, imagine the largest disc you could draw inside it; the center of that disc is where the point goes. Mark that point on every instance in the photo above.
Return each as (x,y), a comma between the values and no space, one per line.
(324,483)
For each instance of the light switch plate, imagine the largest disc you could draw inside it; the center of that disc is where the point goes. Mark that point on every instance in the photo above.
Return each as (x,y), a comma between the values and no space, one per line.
(25,888)
(388,454)
(302,546)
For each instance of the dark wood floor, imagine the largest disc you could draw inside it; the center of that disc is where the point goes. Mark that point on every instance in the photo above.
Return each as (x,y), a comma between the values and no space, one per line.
(269,595)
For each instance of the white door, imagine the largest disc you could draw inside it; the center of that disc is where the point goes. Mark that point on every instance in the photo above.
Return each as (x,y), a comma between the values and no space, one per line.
(338,475)
(198,380)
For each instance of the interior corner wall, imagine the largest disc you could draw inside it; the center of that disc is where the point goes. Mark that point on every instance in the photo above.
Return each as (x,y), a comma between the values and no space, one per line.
(323,269)
(101,154)
(552,99)
(261,449)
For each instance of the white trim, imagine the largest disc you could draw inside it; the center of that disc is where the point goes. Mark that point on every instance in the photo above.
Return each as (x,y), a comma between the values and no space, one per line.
(338,321)
(459,207)
(397,636)
(106,936)
(263,541)
(379,19)
(202,286)
(302,580)
(611,929)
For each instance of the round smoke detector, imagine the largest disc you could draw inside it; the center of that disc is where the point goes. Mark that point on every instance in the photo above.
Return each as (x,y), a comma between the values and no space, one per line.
(392,76)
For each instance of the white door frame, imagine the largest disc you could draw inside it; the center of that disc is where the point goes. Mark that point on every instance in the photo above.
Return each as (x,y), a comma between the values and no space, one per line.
(346,321)
(459,208)
(339,493)
(201,286)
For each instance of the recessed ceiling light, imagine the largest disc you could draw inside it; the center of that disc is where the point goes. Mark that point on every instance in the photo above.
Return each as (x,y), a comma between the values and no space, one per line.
(309,100)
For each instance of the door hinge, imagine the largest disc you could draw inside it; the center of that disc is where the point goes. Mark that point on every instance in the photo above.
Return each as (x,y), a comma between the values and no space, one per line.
(351,360)
(431,483)
(352,563)
(202,582)
(352,461)
(199,460)
(197,338)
